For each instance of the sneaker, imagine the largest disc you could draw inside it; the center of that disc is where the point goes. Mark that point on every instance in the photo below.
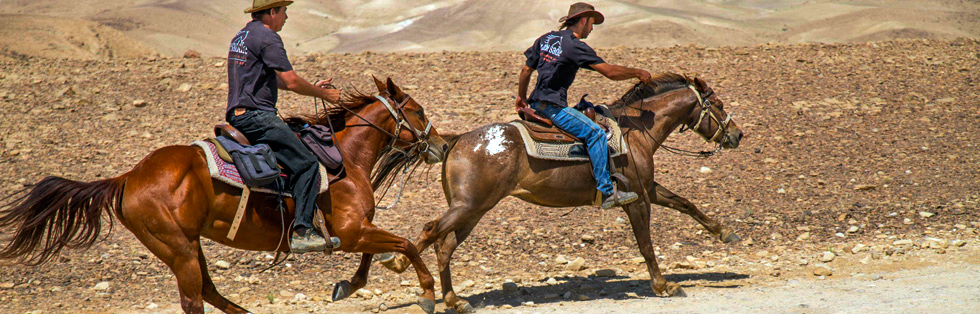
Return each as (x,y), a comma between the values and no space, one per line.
(619,198)
(309,242)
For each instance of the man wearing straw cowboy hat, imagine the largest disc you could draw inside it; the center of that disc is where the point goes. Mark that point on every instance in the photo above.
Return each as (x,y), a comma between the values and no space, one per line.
(257,68)
(557,56)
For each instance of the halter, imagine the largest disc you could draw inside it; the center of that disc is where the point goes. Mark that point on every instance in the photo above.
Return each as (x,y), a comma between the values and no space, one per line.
(705,105)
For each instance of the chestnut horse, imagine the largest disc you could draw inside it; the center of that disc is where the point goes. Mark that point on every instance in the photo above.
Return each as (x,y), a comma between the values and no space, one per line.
(169,201)
(474,180)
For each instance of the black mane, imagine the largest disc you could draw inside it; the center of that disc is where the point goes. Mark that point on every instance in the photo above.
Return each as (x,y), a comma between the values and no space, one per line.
(660,84)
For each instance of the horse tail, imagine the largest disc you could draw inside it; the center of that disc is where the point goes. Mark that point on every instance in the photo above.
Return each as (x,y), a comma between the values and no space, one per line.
(58,213)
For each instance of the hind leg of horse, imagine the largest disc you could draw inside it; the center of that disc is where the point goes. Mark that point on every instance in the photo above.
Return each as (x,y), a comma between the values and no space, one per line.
(664,197)
(210,292)
(180,253)
(639,216)
(445,247)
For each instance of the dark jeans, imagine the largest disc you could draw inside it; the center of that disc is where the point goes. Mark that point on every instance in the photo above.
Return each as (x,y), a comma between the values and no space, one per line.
(265,127)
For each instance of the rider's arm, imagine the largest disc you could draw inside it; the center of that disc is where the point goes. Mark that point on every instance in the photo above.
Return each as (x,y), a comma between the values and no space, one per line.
(290,81)
(524,80)
(619,73)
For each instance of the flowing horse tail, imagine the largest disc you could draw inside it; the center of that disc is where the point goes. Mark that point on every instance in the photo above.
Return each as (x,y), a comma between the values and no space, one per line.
(58,213)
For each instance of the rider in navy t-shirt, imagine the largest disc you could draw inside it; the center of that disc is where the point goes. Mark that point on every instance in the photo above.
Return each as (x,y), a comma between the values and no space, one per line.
(257,69)
(557,56)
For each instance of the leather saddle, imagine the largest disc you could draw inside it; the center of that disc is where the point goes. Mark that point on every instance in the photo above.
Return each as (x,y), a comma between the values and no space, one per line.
(543,130)
(229,132)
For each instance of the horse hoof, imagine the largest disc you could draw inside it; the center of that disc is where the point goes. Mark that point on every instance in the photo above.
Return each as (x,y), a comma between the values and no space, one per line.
(398,264)
(731,237)
(384,257)
(341,290)
(427,305)
(676,291)
(464,307)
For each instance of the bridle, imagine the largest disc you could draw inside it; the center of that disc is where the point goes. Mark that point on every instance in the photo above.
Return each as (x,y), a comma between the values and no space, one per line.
(705,105)
(421,142)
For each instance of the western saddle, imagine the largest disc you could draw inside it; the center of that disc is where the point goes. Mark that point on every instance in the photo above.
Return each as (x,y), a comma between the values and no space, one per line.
(542,129)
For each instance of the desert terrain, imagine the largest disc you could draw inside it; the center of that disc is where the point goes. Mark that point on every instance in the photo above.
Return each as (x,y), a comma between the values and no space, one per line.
(859,160)
(855,190)
(170,27)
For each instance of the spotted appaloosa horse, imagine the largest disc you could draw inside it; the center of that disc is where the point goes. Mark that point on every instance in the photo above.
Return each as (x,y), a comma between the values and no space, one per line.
(490,163)
(169,201)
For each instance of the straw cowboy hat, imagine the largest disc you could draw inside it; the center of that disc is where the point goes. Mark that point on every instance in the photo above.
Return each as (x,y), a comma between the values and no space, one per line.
(259,5)
(583,9)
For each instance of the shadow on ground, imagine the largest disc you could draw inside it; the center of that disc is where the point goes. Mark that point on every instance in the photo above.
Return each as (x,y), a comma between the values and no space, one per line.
(588,288)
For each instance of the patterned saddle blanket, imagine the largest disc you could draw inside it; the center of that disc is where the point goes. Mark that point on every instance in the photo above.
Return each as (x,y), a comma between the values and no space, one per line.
(226,172)
(571,151)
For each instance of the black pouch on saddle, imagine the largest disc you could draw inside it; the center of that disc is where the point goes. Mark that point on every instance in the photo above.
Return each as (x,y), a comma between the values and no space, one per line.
(256,164)
(319,139)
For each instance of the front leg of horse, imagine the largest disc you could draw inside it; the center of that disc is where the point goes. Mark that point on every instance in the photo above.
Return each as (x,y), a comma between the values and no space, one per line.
(343,289)
(639,216)
(666,198)
(375,241)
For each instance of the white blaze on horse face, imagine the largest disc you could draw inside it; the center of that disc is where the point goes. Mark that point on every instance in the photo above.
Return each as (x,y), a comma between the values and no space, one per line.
(494,138)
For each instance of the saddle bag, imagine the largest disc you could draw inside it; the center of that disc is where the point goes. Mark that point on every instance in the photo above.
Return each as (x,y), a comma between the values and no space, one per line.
(319,139)
(256,164)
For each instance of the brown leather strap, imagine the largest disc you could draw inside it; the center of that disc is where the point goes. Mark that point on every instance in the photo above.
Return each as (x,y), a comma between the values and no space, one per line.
(528,114)
(230,132)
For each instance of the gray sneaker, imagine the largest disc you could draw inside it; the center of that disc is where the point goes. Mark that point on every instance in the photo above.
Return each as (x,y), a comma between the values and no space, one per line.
(618,199)
(308,243)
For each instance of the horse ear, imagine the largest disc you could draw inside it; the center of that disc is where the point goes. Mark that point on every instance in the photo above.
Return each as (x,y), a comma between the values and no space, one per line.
(394,90)
(381,85)
(700,84)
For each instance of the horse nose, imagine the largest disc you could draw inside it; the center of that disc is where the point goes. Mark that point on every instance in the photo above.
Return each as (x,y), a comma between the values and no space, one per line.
(740,135)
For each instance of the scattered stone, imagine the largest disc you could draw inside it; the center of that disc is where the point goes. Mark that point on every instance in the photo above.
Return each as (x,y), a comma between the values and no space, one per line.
(466,284)
(803,262)
(583,297)
(705,170)
(853,229)
(903,243)
(222,264)
(139,103)
(621,221)
(864,187)
(152,306)
(858,248)
(551,281)
(827,257)
(632,295)
(762,253)
(822,270)
(588,238)
(803,237)
(219,64)
(102,286)
(184,87)
(382,307)
(605,273)
(576,265)
(926,214)
(7,285)
(959,243)
(191,54)
(638,260)
(561,260)
(509,287)
(937,243)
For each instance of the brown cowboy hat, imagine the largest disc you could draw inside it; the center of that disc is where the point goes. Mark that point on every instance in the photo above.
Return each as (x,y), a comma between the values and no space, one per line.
(583,9)
(259,5)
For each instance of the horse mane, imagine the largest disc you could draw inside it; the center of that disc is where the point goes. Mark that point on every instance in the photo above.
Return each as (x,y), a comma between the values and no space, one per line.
(661,83)
(390,161)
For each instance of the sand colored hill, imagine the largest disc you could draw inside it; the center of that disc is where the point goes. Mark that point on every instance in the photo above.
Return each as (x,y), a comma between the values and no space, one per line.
(23,35)
(173,26)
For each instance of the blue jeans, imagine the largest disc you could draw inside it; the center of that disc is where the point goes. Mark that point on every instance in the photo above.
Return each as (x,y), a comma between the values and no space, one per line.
(577,124)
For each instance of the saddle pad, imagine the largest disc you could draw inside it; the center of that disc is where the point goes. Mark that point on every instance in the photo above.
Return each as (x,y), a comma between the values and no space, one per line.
(571,151)
(226,172)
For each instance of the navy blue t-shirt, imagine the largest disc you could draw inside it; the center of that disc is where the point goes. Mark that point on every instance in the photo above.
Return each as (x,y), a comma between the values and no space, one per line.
(255,54)
(557,56)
